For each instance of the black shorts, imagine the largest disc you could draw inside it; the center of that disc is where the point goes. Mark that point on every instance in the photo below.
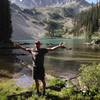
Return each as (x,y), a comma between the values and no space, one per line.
(38,73)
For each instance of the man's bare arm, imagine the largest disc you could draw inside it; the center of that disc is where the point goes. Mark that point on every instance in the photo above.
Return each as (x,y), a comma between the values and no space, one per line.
(56,47)
(22,47)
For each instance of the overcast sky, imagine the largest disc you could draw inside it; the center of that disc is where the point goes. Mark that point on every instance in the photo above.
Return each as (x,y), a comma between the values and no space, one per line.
(94,1)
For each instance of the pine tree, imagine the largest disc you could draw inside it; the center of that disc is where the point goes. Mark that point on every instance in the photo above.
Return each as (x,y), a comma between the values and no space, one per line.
(89,19)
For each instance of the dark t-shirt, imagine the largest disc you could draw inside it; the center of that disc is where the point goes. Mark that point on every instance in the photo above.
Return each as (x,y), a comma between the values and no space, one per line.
(38,57)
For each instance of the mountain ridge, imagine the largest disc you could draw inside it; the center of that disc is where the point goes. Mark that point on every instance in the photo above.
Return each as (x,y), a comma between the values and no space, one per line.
(47,3)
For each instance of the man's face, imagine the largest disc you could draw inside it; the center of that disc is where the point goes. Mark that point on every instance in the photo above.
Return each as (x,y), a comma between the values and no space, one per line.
(37,45)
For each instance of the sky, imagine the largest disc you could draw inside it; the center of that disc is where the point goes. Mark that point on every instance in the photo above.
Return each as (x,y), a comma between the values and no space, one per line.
(90,1)
(86,0)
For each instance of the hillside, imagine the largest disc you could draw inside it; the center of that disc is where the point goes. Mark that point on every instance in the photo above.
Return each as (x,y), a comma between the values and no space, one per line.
(32,23)
(23,28)
(47,3)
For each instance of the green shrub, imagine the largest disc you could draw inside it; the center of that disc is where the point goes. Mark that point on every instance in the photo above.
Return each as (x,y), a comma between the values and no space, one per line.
(56,81)
(67,92)
(97,97)
(80,96)
(90,77)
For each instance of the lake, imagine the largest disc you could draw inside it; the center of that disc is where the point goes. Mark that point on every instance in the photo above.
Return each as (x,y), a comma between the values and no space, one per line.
(61,62)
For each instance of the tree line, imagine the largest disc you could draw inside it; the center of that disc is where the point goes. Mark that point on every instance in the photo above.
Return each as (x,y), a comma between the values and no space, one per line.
(88,21)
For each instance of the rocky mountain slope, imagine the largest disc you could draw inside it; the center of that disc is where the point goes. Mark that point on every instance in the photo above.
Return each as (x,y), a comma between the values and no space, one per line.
(46,3)
(30,23)
(23,26)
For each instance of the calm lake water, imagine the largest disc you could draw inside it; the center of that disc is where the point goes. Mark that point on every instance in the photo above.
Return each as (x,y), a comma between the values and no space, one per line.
(61,62)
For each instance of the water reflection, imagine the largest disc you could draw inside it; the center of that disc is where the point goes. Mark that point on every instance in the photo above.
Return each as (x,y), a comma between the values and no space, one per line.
(7,60)
(67,62)
(61,62)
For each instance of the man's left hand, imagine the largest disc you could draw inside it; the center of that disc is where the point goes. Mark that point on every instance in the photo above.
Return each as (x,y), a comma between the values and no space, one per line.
(62,45)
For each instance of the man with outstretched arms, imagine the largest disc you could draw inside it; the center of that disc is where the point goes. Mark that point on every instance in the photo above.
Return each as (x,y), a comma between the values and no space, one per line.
(38,54)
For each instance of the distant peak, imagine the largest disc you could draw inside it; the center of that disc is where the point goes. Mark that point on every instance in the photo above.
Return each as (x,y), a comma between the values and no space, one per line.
(45,3)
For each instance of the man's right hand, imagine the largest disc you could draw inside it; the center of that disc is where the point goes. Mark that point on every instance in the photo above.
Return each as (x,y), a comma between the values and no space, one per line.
(15,44)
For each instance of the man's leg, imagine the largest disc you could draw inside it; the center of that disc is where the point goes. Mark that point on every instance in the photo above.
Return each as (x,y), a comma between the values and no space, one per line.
(37,85)
(44,86)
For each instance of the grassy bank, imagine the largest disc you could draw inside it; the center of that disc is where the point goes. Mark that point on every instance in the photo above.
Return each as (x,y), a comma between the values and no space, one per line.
(57,89)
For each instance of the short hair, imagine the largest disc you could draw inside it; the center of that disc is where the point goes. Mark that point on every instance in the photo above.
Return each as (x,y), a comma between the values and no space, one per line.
(37,42)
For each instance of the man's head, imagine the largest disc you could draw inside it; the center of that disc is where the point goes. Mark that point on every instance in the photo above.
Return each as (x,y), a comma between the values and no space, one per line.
(37,44)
